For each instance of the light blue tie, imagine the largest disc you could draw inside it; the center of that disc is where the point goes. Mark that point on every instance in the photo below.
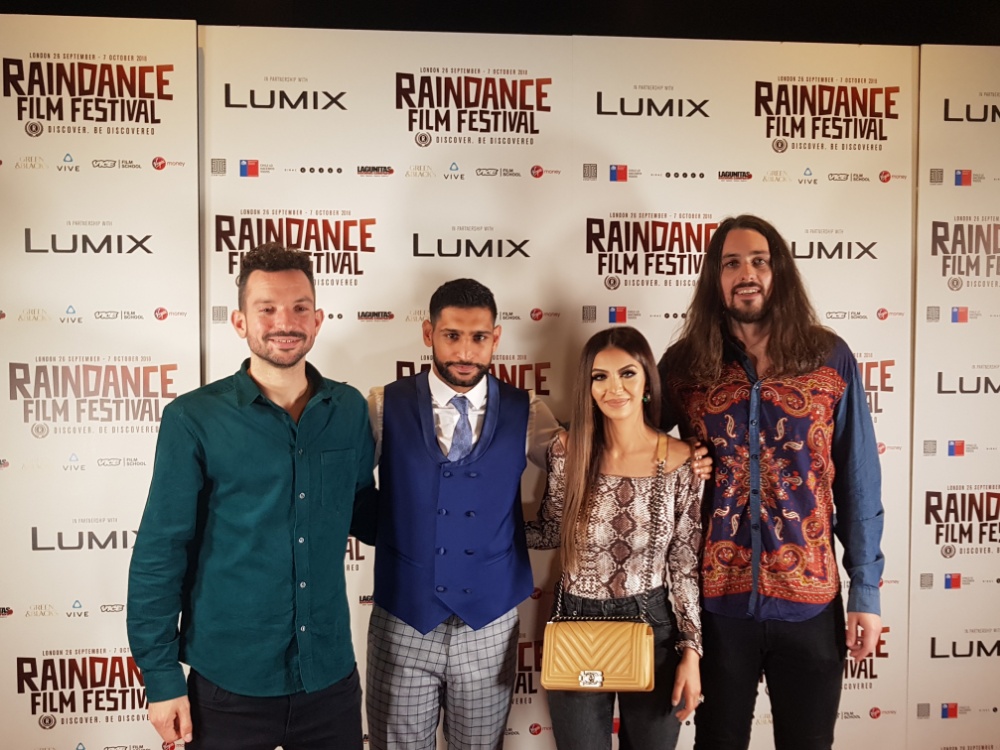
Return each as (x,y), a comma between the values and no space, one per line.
(461,441)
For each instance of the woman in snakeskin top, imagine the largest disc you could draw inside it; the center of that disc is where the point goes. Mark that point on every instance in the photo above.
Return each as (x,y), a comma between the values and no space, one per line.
(629,529)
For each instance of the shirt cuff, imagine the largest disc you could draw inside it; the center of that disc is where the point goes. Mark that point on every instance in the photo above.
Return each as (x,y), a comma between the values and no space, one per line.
(864,599)
(164,685)
(691,641)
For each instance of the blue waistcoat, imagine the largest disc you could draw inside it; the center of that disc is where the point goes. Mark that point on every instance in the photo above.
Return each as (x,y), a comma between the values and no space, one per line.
(450,534)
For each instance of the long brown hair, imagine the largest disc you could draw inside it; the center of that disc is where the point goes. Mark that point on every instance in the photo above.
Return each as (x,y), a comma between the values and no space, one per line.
(797,343)
(587,439)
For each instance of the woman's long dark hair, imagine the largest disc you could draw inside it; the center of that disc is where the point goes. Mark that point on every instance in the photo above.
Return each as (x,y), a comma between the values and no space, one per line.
(587,440)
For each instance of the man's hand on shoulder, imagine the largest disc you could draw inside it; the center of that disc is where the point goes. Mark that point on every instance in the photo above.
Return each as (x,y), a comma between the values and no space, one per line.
(863,631)
(172,718)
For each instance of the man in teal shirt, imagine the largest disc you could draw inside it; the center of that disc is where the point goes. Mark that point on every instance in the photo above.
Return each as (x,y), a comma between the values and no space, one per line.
(253,491)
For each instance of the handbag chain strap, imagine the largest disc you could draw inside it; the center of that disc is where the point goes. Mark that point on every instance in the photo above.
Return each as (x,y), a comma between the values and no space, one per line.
(654,508)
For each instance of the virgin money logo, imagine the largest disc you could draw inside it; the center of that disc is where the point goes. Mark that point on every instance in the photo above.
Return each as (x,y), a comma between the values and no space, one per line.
(536,314)
(537,171)
(884,176)
(535,729)
(882,313)
(160,313)
(159,163)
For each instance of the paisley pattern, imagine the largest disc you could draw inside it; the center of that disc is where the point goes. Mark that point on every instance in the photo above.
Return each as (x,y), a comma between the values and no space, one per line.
(796,475)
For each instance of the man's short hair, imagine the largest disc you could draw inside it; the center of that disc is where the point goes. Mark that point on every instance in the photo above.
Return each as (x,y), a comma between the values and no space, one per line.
(272,257)
(464,293)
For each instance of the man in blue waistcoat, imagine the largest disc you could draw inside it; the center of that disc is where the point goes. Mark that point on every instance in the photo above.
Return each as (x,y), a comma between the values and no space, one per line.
(451,564)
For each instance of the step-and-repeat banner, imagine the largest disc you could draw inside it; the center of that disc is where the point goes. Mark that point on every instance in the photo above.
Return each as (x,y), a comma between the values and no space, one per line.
(99,323)
(580,178)
(954,688)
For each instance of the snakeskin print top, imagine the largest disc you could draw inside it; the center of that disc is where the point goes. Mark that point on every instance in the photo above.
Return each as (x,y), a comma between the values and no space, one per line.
(619,530)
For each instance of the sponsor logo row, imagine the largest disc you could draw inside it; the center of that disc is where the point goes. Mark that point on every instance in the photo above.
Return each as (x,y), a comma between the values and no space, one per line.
(68,163)
(77,317)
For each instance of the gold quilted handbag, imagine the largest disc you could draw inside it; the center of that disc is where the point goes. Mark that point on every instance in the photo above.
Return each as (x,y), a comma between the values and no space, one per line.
(611,654)
(598,655)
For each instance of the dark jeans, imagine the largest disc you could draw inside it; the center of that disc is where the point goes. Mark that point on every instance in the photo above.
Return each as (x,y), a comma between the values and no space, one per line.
(584,721)
(803,664)
(328,719)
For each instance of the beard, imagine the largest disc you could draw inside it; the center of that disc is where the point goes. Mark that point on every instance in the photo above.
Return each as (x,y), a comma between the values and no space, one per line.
(742,314)
(452,379)
(279,359)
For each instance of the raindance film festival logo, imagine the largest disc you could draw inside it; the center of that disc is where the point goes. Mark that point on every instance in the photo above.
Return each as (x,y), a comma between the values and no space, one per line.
(964,521)
(337,246)
(968,251)
(63,689)
(59,394)
(94,97)
(801,112)
(443,108)
(639,244)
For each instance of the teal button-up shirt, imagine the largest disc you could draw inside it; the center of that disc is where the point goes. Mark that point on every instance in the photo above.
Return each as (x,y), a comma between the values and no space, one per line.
(243,536)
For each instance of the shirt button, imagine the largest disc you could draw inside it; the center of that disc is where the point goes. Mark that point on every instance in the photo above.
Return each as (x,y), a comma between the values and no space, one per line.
(302,629)
(470,513)
(754,456)
(470,552)
(302,584)
(301,451)
(442,512)
(447,474)
(440,588)
(302,496)
(441,550)
(302,540)
(755,526)
(467,591)
(473,474)
(753,422)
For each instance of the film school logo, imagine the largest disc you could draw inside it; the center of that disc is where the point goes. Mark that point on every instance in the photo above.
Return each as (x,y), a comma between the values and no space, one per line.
(81,92)
(963,517)
(109,397)
(336,245)
(796,108)
(966,250)
(633,245)
(471,107)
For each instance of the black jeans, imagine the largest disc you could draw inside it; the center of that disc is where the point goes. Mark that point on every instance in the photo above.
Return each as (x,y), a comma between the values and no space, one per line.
(803,664)
(584,721)
(328,719)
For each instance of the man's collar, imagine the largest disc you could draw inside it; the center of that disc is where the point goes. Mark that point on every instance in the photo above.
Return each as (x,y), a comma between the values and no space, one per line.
(442,393)
(247,390)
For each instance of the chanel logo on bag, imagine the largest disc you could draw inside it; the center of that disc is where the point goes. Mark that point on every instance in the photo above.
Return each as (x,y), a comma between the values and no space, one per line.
(591,678)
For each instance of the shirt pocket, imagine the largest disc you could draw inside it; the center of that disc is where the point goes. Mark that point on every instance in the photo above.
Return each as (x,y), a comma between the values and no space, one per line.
(338,472)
